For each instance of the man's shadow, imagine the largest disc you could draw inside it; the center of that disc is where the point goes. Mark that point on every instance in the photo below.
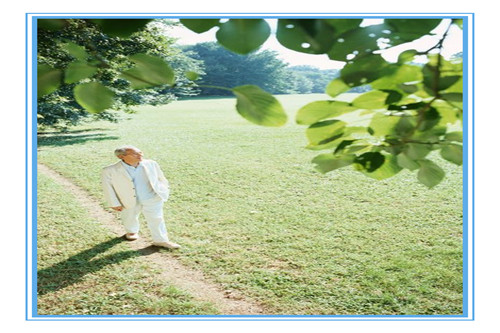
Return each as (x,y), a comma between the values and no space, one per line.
(73,269)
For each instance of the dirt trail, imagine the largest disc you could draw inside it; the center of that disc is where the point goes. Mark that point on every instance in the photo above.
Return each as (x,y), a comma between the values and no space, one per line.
(228,302)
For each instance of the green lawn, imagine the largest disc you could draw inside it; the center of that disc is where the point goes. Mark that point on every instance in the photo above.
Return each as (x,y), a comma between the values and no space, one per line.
(84,270)
(253,214)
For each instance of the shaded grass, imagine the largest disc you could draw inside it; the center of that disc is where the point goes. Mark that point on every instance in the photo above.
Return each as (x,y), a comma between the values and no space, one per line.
(251,212)
(82,270)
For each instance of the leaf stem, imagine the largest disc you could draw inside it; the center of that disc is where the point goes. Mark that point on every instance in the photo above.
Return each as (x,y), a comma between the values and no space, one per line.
(214,87)
(439,44)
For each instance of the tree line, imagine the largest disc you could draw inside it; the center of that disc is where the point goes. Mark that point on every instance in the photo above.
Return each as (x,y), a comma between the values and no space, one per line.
(263,68)
(71,52)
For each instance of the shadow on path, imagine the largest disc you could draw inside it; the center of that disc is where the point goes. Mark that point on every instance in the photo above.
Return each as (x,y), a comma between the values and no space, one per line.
(73,269)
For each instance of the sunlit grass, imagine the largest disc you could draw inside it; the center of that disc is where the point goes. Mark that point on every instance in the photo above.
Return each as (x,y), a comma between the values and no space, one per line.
(84,270)
(253,214)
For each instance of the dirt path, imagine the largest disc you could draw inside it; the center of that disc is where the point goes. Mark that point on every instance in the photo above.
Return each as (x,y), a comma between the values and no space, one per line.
(228,302)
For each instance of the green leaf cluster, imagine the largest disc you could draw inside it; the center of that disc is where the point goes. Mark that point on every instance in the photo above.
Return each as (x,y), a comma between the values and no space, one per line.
(94,77)
(403,125)
(102,65)
(237,35)
(410,110)
(90,92)
(258,106)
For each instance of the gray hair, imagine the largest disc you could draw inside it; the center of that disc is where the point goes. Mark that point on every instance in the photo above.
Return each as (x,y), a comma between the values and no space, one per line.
(120,151)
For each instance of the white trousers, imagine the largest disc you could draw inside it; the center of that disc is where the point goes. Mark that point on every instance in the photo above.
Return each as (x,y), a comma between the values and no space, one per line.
(152,210)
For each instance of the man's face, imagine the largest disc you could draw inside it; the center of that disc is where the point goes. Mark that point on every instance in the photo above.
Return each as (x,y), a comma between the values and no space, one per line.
(132,156)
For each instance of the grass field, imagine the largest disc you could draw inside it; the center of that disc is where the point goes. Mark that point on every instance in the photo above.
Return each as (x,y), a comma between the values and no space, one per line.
(86,270)
(253,214)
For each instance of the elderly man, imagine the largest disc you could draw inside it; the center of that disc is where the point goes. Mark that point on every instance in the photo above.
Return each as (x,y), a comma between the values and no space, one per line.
(134,185)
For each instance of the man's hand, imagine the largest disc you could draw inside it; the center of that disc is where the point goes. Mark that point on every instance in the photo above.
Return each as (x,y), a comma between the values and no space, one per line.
(117,208)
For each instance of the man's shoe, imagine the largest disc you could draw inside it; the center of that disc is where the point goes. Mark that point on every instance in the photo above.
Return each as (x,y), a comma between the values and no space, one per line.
(132,236)
(168,245)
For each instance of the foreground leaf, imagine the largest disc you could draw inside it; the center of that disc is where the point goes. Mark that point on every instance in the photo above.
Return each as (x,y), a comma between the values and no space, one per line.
(93,96)
(387,169)
(336,87)
(121,27)
(382,124)
(200,25)
(51,24)
(405,30)
(364,70)
(76,51)
(406,162)
(328,162)
(243,35)
(258,106)
(306,35)
(325,132)
(374,99)
(149,71)
(48,79)
(370,161)
(407,56)
(454,136)
(78,70)
(342,25)
(402,78)
(319,110)
(192,76)
(452,153)
(430,174)
(357,42)
(417,151)
(412,25)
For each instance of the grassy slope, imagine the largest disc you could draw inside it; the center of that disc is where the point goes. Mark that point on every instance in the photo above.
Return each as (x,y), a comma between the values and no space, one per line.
(252,213)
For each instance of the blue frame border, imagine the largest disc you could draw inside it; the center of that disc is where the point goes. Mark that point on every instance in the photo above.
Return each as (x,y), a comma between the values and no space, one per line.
(468,261)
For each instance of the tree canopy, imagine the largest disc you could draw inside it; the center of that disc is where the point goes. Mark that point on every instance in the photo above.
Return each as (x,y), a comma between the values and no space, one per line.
(410,110)
(264,68)
(224,68)
(312,79)
(84,71)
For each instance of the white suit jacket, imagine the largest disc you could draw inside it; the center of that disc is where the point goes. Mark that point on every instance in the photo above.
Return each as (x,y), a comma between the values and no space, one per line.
(119,188)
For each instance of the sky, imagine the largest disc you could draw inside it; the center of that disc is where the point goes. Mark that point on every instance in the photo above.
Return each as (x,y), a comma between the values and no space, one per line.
(293,58)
